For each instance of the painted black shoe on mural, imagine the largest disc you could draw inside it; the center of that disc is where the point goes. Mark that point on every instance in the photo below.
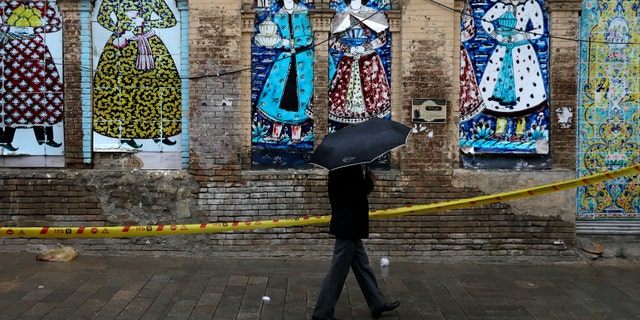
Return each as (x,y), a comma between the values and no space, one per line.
(165,141)
(131,143)
(50,143)
(8,146)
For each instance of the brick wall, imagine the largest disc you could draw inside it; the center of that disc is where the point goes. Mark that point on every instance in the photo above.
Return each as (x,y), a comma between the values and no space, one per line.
(99,198)
(219,185)
(564,22)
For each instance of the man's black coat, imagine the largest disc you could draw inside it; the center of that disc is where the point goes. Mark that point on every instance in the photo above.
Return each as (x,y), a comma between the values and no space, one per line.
(348,191)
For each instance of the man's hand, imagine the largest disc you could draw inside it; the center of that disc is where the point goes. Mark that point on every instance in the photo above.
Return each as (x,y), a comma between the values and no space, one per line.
(371,175)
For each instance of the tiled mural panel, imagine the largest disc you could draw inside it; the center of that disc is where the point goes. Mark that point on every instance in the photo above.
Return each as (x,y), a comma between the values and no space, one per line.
(608,116)
(31,92)
(137,102)
(504,101)
(359,65)
(282,85)
(282,76)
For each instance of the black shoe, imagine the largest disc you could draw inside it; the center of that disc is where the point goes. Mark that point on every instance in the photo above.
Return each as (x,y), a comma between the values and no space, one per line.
(165,141)
(330,318)
(53,144)
(385,307)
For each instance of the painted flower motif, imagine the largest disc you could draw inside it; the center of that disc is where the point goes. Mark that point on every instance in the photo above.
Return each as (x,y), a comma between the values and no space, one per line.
(616,159)
(258,132)
(537,132)
(482,130)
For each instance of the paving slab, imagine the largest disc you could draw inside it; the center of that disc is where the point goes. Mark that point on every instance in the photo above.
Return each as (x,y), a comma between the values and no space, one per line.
(143,287)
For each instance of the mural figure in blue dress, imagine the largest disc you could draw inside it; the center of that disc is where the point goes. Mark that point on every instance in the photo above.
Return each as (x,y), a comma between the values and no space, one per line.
(283,100)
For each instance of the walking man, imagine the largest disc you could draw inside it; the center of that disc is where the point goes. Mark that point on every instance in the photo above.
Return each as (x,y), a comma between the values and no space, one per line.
(348,191)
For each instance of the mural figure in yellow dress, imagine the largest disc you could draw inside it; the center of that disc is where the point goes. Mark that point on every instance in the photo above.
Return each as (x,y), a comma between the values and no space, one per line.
(136,85)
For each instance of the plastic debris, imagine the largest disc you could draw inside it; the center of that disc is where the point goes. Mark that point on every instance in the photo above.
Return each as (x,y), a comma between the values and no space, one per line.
(59,254)
(596,248)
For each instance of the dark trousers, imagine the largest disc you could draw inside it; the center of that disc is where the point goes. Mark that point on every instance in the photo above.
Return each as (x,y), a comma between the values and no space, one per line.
(6,134)
(43,134)
(348,253)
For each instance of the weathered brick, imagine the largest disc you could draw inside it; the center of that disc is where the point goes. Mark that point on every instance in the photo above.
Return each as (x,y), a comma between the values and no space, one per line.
(219,185)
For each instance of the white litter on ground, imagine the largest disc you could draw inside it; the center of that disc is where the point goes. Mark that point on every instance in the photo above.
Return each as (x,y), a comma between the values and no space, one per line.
(384,262)
(266,299)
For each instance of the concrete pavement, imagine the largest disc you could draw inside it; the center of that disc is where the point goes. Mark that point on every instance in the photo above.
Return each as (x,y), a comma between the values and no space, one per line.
(144,287)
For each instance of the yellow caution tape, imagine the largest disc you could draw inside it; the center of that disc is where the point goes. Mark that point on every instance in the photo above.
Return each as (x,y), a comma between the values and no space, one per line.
(506,196)
(156,230)
(164,230)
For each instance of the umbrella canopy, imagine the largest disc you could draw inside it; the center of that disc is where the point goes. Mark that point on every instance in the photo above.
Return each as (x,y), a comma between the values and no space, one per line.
(360,143)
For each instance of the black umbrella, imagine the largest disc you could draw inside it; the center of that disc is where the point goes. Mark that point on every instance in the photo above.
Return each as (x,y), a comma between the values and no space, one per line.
(360,143)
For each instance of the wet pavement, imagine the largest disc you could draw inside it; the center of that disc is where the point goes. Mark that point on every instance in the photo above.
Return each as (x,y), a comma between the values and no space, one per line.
(278,288)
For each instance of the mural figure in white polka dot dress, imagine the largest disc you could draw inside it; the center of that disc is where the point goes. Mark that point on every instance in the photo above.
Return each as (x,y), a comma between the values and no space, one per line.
(512,84)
